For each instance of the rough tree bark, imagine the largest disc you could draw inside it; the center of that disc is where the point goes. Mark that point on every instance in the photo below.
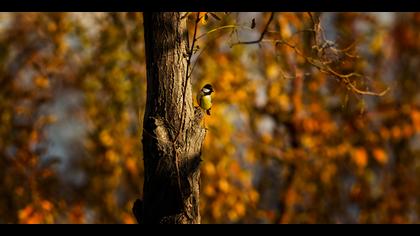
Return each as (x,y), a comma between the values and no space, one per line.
(172,134)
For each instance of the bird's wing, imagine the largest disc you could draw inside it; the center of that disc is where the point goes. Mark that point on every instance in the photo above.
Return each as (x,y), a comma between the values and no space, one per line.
(198,99)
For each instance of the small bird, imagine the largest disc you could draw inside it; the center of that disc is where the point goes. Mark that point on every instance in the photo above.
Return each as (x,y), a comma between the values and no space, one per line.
(204,98)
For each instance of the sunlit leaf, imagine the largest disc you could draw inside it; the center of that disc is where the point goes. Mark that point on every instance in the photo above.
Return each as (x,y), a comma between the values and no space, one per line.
(360,157)
(380,155)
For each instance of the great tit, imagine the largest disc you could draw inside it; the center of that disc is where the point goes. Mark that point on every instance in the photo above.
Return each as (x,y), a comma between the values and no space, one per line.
(204,98)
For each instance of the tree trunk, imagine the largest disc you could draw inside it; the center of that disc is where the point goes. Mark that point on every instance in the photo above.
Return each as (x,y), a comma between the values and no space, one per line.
(172,135)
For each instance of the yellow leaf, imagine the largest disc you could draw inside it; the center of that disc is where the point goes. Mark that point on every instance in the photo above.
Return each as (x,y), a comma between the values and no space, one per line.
(240,209)
(111,156)
(254,196)
(224,185)
(204,18)
(377,42)
(209,169)
(106,138)
(266,138)
(284,102)
(285,28)
(273,71)
(209,190)
(232,215)
(308,141)
(234,168)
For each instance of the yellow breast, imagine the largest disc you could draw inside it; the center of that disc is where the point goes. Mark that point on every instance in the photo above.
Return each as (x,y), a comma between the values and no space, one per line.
(204,101)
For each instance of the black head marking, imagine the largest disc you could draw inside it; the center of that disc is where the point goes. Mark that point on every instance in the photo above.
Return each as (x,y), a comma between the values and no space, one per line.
(209,88)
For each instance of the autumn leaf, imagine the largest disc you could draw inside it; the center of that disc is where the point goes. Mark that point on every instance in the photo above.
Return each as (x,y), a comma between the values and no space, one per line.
(204,19)
(380,155)
(106,138)
(360,157)
(224,185)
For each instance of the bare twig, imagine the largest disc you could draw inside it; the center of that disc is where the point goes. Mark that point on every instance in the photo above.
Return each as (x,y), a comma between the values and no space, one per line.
(220,28)
(325,68)
(196,60)
(206,46)
(186,14)
(262,33)
(320,62)
(314,27)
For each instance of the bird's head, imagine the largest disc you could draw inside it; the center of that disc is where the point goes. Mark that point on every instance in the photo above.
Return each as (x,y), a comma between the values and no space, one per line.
(207,89)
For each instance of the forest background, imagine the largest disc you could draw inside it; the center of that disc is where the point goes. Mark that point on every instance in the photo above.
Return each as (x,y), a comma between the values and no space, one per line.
(286,142)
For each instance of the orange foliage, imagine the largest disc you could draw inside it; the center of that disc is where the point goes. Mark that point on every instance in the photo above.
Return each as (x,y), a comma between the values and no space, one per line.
(380,156)
(360,157)
(72,96)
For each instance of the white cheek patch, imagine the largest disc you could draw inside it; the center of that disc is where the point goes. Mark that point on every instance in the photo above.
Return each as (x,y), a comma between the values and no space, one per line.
(206,90)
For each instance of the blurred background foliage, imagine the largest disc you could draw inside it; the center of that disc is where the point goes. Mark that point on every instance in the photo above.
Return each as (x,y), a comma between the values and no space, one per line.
(286,143)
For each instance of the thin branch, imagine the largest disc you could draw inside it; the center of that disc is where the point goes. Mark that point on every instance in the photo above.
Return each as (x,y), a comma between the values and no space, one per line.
(362,92)
(353,44)
(222,27)
(352,74)
(294,33)
(315,26)
(319,64)
(328,70)
(200,17)
(190,53)
(196,60)
(261,36)
(206,46)
(186,14)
